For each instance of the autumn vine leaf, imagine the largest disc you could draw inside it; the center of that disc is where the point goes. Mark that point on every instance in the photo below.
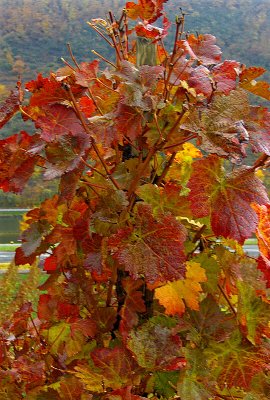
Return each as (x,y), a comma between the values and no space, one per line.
(174,295)
(226,198)
(11,105)
(149,10)
(147,291)
(153,248)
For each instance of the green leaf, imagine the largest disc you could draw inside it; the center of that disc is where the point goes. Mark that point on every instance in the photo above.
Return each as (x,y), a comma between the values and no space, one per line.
(220,126)
(211,322)
(165,383)
(165,199)
(190,389)
(155,347)
(236,362)
(253,313)
(212,270)
(62,341)
(112,368)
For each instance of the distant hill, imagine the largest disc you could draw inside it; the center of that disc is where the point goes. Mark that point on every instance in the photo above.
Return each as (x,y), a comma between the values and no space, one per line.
(33,34)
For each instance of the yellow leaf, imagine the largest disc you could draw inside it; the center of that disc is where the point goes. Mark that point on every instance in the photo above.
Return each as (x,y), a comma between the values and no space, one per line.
(188,153)
(260,174)
(174,295)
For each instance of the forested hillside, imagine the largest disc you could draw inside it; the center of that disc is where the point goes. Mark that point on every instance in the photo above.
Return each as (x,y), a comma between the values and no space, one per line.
(34,36)
(35,33)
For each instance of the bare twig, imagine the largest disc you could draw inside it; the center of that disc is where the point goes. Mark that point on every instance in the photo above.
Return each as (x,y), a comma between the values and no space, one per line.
(72,55)
(103,58)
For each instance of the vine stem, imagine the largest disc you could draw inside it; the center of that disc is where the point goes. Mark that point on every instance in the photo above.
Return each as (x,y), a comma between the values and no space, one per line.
(92,168)
(67,64)
(260,162)
(142,167)
(227,299)
(72,56)
(180,143)
(179,24)
(103,58)
(100,33)
(86,128)
(113,37)
(166,169)
(94,101)
(177,122)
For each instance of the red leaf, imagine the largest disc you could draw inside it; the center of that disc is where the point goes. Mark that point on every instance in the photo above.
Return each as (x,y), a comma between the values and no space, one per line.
(68,184)
(220,126)
(133,304)
(202,48)
(71,388)
(123,394)
(64,156)
(181,71)
(87,74)
(128,121)
(104,130)
(225,76)
(35,85)
(46,91)
(87,106)
(258,127)
(33,374)
(153,248)
(238,362)
(16,161)
(200,80)
(263,235)
(116,364)
(32,237)
(67,310)
(58,121)
(19,323)
(87,327)
(149,75)
(263,228)
(22,259)
(227,199)
(46,306)
(11,105)
(50,264)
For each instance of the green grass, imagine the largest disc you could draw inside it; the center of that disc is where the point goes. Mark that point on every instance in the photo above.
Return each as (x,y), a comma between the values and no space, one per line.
(4,266)
(12,212)
(22,277)
(9,246)
(251,241)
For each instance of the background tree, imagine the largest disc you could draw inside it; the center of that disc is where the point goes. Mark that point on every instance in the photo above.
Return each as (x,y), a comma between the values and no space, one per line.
(150,294)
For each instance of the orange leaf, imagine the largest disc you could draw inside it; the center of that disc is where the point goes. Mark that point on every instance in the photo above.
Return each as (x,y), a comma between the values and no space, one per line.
(259,88)
(174,295)
(251,73)
(263,229)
